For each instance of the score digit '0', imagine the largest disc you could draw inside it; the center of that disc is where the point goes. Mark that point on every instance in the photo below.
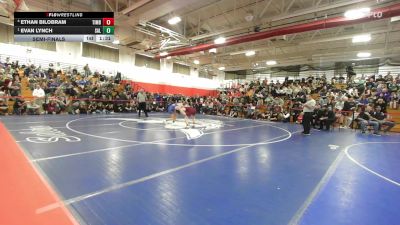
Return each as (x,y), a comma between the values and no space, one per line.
(108,21)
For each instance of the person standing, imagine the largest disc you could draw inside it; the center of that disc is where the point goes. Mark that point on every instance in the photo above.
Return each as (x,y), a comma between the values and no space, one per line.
(190,113)
(142,98)
(39,96)
(308,110)
(87,70)
(171,110)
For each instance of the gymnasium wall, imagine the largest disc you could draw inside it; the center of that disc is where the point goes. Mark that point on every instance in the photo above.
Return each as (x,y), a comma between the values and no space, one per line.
(392,69)
(383,70)
(69,55)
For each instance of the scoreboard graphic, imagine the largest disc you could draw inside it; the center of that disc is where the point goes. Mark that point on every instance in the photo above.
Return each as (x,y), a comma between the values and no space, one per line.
(64,26)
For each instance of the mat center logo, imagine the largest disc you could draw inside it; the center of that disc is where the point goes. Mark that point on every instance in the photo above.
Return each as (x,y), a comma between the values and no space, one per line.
(47,134)
(195,132)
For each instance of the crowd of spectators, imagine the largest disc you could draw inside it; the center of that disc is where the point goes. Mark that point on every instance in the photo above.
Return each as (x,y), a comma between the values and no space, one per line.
(70,91)
(55,91)
(338,99)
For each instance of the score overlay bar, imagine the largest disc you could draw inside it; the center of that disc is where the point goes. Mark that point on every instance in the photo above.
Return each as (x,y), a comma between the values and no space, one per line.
(47,15)
(64,26)
(36,22)
(59,30)
(63,38)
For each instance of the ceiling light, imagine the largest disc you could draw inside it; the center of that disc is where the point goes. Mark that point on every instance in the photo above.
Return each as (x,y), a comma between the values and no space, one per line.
(220,40)
(174,20)
(249,17)
(116,42)
(163,53)
(363,54)
(222,68)
(271,62)
(197,62)
(361,38)
(213,50)
(357,13)
(250,53)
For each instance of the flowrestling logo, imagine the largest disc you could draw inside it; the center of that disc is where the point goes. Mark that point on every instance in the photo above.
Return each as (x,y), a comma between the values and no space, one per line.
(192,132)
(47,134)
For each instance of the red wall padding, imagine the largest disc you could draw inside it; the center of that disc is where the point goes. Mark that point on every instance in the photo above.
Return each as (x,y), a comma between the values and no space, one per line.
(169,89)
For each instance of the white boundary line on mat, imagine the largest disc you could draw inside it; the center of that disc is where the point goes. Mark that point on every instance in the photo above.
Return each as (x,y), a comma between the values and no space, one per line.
(139,143)
(327,176)
(174,144)
(152,176)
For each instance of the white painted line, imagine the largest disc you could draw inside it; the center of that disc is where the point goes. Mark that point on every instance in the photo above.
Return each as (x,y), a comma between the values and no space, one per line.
(139,143)
(82,153)
(63,127)
(173,144)
(25,129)
(97,150)
(121,124)
(324,180)
(44,121)
(112,132)
(152,176)
(327,176)
(368,169)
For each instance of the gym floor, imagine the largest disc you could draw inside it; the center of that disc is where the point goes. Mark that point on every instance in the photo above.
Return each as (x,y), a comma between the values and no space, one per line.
(119,169)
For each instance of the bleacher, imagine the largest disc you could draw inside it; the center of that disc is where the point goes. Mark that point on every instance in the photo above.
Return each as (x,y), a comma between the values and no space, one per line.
(395,116)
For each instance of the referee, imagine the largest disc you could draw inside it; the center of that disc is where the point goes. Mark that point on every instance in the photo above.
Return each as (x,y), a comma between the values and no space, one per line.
(141,96)
(308,110)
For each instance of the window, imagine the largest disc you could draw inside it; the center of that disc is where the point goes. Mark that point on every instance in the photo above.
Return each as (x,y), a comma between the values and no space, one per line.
(145,61)
(370,66)
(49,46)
(100,52)
(205,74)
(7,33)
(232,76)
(182,69)
(288,71)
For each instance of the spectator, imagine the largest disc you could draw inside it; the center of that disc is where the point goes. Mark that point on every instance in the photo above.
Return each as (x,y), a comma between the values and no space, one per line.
(3,107)
(15,88)
(394,101)
(327,119)
(348,108)
(19,106)
(32,108)
(87,70)
(365,120)
(380,117)
(380,102)
(38,94)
